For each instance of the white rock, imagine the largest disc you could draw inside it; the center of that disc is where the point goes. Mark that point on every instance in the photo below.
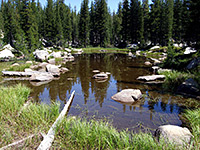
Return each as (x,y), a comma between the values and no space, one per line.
(155,47)
(127,95)
(100,76)
(41,54)
(6,54)
(174,134)
(189,50)
(41,77)
(151,77)
(15,64)
(52,68)
(29,62)
(147,63)
(8,47)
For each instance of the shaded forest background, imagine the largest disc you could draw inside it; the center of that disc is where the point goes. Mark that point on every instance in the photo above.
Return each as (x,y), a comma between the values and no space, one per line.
(26,25)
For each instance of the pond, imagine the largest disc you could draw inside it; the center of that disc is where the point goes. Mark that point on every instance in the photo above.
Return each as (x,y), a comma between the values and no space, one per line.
(93,99)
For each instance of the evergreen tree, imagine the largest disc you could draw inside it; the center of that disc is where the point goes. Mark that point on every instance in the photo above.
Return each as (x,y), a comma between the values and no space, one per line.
(125,21)
(49,26)
(84,23)
(194,30)
(140,31)
(74,27)
(155,19)
(58,25)
(92,24)
(177,23)
(117,25)
(146,20)
(169,29)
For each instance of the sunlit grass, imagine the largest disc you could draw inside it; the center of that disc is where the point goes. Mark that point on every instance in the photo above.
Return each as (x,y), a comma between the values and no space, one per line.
(21,67)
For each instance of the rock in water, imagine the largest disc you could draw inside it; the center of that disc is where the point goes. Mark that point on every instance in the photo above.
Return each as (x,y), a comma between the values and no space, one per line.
(127,95)
(173,134)
(52,68)
(40,77)
(100,76)
(151,77)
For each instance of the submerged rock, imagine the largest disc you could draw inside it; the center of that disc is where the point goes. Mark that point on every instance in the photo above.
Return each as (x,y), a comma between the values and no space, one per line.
(173,134)
(151,77)
(127,96)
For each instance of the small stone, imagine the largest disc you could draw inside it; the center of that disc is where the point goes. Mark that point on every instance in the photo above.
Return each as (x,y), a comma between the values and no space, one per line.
(147,63)
(15,64)
(95,71)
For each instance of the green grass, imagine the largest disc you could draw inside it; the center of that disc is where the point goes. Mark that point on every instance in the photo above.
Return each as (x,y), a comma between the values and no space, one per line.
(174,79)
(18,123)
(82,134)
(108,50)
(193,117)
(21,67)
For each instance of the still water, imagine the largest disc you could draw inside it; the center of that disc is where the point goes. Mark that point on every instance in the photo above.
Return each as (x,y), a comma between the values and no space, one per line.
(93,99)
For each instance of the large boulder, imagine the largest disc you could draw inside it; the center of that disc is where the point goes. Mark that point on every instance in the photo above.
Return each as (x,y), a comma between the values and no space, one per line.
(52,68)
(151,77)
(193,64)
(6,54)
(40,77)
(173,134)
(9,47)
(41,55)
(189,87)
(56,54)
(127,96)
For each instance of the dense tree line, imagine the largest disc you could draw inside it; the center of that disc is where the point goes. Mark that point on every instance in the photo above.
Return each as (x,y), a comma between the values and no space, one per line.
(27,25)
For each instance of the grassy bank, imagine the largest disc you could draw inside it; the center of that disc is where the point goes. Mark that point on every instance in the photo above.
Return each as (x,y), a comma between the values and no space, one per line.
(104,50)
(18,121)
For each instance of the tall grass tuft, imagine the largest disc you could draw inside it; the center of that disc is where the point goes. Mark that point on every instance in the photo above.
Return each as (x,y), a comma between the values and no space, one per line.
(174,79)
(193,117)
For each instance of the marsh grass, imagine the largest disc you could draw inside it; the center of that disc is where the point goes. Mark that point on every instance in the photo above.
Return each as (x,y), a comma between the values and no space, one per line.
(174,79)
(193,119)
(32,119)
(21,67)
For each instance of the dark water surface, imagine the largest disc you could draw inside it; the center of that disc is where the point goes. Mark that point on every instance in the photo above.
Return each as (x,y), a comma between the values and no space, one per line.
(93,99)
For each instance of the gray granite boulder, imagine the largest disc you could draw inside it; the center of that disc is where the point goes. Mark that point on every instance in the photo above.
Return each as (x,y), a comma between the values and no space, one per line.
(41,55)
(40,77)
(173,134)
(6,54)
(189,87)
(52,68)
(127,96)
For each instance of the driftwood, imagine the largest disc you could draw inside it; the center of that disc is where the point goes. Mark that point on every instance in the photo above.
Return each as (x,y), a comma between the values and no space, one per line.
(48,139)
(19,142)
(27,74)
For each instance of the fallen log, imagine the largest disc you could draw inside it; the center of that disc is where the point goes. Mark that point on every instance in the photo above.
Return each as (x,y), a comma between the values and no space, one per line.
(48,139)
(28,74)
(18,142)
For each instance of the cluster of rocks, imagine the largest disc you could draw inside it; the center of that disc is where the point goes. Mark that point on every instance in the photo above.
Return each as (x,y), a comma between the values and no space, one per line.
(49,55)
(41,72)
(169,133)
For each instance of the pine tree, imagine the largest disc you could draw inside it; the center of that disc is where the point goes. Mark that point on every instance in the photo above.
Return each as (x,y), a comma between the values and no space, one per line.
(146,20)
(117,25)
(58,25)
(125,22)
(169,29)
(49,26)
(84,23)
(155,19)
(140,31)
(92,25)
(74,19)
(194,30)
(177,23)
